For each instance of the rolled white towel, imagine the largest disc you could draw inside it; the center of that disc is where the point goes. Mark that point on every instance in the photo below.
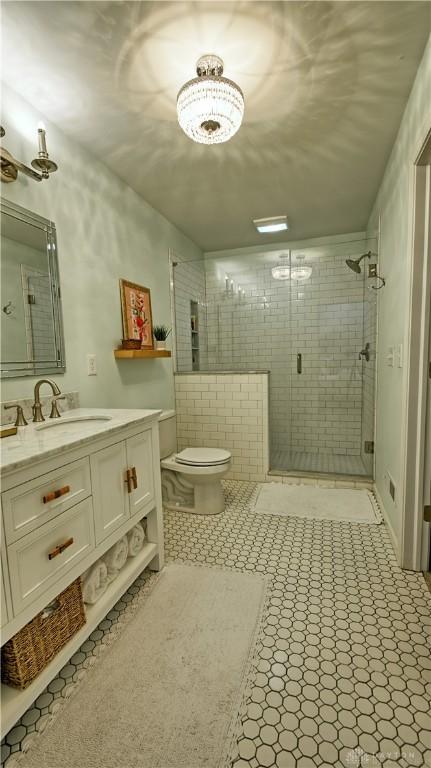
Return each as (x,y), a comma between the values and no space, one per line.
(116,557)
(135,540)
(94,582)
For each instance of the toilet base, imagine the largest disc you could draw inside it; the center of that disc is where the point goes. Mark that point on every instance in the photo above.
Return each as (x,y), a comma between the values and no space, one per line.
(198,498)
(209,499)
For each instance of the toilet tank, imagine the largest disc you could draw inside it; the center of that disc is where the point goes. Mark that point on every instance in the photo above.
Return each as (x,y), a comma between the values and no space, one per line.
(167,433)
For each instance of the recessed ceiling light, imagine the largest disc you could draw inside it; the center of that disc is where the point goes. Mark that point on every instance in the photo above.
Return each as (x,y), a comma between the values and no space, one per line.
(272,224)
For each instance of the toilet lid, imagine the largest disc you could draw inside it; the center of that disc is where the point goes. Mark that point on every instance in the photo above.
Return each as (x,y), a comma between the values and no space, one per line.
(203,457)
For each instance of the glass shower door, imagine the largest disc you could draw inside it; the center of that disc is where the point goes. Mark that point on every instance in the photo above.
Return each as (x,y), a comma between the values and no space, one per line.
(327,370)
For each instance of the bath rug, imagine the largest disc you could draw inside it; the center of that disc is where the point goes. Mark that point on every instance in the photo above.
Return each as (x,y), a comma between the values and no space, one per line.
(317,503)
(167,692)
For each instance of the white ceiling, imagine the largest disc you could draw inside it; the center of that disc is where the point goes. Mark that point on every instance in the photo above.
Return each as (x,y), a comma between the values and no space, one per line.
(325,85)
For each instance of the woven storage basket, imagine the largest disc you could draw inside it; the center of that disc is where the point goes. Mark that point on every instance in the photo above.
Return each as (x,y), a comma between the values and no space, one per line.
(28,652)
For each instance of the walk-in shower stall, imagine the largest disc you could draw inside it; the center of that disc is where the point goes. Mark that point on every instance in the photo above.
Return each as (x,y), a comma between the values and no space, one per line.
(306,314)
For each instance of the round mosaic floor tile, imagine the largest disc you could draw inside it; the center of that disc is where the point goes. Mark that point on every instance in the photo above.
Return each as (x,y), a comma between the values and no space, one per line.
(341,675)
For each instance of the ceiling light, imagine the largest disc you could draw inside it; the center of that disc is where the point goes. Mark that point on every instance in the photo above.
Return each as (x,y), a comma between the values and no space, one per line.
(210,107)
(282,271)
(272,224)
(301,272)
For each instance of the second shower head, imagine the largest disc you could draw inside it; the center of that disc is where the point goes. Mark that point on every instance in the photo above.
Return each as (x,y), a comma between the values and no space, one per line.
(354,264)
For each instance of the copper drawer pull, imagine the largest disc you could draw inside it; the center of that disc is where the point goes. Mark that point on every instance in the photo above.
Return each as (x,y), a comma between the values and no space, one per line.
(56,494)
(58,550)
(129,480)
(134,478)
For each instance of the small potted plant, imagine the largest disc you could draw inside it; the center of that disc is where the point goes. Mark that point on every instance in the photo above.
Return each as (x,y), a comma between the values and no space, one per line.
(161,333)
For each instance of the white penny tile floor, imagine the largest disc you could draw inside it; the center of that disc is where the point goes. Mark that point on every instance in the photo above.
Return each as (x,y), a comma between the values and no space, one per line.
(344,667)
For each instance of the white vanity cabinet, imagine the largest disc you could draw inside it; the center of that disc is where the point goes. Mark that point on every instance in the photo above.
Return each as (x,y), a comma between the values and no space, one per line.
(62,512)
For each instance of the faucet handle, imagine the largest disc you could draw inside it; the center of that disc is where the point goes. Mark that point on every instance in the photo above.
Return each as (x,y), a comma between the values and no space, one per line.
(20,420)
(55,413)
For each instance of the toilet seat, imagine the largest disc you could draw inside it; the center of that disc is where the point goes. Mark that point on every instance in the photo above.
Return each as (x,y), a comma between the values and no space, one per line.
(203,457)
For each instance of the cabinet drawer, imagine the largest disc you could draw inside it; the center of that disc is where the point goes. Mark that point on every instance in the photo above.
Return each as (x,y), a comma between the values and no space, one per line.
(36,561)
(30,505)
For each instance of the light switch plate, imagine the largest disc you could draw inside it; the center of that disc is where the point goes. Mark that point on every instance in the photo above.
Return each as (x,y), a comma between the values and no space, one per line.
(91,365)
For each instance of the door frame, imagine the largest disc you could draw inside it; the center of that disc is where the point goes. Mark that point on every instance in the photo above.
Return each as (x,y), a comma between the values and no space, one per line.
(415,532)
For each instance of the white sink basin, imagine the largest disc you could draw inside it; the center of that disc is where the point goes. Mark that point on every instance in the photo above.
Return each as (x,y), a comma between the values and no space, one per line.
(72,424)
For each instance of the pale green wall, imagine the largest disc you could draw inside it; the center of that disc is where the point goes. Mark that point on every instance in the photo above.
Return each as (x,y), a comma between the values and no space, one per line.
(105,231)
(394,208)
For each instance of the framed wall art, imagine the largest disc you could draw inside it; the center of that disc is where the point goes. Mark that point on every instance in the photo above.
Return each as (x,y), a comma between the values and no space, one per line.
(136,311)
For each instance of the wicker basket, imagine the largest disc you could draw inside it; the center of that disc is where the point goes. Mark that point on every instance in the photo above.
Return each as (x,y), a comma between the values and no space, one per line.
(131,344)
(28,652)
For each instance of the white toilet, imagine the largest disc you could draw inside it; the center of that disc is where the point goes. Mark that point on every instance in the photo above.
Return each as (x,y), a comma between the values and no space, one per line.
(191,478)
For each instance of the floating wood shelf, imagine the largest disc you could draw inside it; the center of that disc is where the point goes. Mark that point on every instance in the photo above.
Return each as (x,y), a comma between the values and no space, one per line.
(129,354)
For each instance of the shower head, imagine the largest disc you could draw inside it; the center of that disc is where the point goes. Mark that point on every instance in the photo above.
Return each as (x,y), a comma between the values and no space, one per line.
(353,264)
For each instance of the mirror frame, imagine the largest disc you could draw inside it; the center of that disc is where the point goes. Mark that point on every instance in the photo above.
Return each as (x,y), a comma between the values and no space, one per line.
(17,368)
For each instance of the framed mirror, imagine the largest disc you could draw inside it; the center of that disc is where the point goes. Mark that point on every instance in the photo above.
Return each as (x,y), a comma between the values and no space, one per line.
(32,340)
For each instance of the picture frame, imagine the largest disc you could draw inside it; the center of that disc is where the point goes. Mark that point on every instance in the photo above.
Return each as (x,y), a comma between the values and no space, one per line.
(136,313)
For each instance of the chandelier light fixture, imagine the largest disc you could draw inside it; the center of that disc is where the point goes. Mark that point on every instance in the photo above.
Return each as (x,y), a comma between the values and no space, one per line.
(282,270)
(301,271)
(210,107)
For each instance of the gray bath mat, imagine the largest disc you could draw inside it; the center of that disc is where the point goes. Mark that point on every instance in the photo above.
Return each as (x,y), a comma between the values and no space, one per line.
(167,692)
(317,503)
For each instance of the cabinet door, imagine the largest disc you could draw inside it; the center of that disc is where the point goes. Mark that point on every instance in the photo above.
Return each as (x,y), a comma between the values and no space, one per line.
(140,456)
(3,608)
(108,474)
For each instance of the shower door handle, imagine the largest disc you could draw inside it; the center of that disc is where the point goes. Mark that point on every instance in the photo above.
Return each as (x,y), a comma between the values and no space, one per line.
(299,363)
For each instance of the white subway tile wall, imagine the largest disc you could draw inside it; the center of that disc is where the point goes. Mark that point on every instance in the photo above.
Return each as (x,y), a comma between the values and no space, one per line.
(189,281)
(38,313)
(226,411)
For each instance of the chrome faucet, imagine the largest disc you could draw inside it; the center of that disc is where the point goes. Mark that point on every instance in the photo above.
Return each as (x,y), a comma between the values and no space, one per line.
(37,407)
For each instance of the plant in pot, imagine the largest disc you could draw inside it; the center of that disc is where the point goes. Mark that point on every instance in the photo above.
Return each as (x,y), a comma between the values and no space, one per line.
(161,333)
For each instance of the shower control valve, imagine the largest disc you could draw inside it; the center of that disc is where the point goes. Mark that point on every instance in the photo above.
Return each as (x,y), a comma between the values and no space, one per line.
(365,352)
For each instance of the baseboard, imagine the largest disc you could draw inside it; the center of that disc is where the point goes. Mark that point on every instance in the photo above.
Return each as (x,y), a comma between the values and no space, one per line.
(394,540)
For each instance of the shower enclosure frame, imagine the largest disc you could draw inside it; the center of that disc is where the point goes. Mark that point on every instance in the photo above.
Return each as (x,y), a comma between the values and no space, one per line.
(211,287)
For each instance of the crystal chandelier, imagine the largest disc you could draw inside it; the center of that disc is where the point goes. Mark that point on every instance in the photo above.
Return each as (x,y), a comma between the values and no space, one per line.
(301,271)
(210,107)
(282,270)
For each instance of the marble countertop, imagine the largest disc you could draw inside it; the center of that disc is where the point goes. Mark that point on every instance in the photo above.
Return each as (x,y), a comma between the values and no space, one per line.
(75,427)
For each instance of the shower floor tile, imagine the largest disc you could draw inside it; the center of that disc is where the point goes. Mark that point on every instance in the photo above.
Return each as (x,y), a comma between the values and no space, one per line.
(325,463)
(343,662)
